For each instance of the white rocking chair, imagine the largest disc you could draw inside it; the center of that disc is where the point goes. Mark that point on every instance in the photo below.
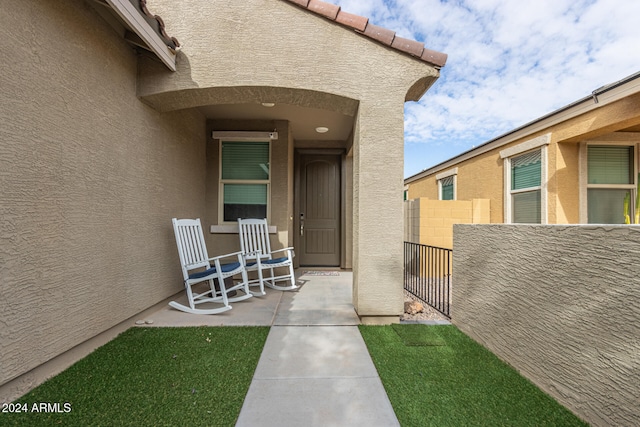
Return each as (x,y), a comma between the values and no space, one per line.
(256,249)
(197,267)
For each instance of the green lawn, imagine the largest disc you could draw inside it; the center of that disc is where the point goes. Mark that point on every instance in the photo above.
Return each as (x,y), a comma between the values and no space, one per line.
(437,376)
(153,376)
(434,376)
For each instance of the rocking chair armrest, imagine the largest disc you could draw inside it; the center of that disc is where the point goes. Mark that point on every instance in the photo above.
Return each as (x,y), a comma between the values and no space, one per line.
(239,253)
(285,249)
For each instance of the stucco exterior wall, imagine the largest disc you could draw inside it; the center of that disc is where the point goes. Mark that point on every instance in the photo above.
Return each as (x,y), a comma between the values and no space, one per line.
(89,180)
(562,305)
(231,48)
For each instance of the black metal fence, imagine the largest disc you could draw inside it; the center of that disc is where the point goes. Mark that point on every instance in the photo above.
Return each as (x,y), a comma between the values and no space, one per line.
(427,275)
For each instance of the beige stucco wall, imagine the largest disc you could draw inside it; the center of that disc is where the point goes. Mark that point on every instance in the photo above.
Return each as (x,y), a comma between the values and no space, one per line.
(90,178)
(430,222)
(231,48)
(562,305)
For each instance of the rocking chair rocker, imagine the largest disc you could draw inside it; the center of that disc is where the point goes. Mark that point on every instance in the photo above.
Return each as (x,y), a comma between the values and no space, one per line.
(197,267)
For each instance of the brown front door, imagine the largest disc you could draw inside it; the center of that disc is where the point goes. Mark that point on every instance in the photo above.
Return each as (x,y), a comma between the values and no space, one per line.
(319,215)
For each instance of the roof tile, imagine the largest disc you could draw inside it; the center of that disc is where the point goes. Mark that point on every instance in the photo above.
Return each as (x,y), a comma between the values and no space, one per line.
(303,3)
(159,27)
(379,34)
(350,20)
(325,9)
(434,57)
(409,46)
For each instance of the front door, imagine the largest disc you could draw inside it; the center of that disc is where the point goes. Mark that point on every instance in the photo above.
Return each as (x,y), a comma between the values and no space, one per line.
(319,210)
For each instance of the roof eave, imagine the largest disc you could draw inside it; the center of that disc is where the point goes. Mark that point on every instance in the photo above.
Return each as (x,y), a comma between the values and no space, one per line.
(152,39)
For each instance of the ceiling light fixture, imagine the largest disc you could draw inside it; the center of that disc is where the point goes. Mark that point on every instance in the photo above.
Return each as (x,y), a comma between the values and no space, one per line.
(268,104)
(322,129)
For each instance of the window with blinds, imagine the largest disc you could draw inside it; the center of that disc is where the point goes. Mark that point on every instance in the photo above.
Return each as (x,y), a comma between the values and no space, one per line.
(610,164)
(610,182)
(446,188)
(526,190)
(244,179)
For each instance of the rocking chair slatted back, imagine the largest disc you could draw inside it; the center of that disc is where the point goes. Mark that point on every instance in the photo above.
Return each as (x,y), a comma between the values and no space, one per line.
(191,246)
(254,237)
(256,250)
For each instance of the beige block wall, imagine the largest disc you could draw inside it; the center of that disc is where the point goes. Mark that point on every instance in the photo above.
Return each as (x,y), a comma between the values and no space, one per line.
(478,178)
(90,178)
(561,304)
(430,222)
(308,62)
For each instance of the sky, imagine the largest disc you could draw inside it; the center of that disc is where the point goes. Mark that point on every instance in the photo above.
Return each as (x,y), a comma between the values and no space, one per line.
(509,63)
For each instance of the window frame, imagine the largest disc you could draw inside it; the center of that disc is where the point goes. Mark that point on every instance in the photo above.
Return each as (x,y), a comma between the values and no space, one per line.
(222,182)
(540,143)
(584,174)
(444,175)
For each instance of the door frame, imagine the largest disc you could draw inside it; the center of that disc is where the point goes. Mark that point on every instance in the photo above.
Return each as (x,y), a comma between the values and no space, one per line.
(299,152)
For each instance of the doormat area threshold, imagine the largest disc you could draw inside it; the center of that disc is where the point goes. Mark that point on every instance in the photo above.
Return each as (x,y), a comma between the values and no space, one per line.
(321,273)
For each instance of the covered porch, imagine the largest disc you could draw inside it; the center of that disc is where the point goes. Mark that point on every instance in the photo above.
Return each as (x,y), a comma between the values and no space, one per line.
(323,299)
(325,100)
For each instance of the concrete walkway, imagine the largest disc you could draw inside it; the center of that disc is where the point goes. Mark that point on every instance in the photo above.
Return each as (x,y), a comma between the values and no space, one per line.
(315,369)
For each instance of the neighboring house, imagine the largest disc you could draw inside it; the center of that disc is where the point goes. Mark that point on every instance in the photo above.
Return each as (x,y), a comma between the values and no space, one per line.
(110,127)
(576,165)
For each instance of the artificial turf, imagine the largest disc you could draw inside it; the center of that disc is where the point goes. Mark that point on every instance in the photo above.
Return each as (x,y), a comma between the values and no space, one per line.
(152,377)
(438,376)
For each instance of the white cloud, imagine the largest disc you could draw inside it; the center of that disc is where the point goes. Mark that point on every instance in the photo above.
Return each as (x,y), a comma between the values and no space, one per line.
(509,63)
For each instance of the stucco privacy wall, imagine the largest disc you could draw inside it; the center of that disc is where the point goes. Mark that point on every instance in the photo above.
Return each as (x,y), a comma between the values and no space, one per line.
(89,180)
(310,61)
(562,305)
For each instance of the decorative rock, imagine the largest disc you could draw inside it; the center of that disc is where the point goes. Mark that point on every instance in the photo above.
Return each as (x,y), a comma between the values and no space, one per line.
(413,307)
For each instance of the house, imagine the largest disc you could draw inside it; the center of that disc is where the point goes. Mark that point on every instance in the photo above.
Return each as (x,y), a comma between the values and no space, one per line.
(577,165)
(114,120)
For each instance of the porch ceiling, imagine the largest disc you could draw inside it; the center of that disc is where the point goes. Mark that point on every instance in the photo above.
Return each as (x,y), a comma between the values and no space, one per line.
(631,129)
(302,120)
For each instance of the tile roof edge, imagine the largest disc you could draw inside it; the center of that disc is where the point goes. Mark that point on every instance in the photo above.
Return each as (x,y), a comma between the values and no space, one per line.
(361,25)
(171,42)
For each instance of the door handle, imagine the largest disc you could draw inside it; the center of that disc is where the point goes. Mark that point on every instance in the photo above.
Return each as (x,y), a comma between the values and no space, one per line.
(302,224)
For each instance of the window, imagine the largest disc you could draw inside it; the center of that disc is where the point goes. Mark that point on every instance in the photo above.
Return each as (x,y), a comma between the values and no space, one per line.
(447,182)
(446,188)
(526,188)
(525,181)
(611,187)
(244,173)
